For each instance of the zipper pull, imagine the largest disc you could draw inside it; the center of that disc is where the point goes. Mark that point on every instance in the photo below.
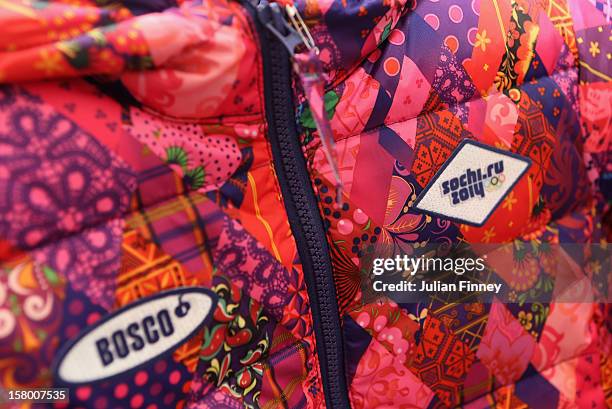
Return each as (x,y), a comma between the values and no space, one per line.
(293,33)
(271,16)
(308,67)
(300,27)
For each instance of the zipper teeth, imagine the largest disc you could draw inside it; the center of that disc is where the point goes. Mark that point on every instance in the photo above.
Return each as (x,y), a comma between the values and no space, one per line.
(325,296)
(304,218)
(314,241)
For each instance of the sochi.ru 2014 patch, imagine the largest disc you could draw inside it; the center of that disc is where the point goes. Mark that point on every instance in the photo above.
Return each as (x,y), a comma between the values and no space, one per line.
(134,335)
(472,183)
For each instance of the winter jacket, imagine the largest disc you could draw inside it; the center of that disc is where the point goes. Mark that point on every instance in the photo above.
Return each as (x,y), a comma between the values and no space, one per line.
(193,195)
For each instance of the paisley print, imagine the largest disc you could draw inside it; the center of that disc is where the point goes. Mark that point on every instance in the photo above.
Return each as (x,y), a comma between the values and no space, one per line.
(31,297)
(233,347)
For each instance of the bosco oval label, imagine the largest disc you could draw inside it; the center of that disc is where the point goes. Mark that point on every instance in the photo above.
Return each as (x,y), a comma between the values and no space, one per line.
(134,335)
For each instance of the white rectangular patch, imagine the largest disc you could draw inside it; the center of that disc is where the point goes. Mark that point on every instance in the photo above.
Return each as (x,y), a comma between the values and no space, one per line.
(472,183)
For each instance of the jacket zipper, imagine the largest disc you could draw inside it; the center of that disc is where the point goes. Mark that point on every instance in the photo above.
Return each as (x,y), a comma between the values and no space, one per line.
(277,39)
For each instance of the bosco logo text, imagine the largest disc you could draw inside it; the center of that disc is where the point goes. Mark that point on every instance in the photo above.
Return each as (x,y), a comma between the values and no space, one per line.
(134,335)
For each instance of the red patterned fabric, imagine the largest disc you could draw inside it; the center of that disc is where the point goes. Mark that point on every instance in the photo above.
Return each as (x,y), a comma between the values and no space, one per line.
(137,158)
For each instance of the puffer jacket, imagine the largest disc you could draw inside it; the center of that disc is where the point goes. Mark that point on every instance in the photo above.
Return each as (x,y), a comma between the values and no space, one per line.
(193,195)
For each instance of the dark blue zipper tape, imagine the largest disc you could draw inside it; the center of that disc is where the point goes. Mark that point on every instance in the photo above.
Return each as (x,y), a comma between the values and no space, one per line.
(301,205)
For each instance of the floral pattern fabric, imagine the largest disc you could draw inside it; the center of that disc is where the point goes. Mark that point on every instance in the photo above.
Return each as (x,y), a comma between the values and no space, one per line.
(134,159)
(520,76)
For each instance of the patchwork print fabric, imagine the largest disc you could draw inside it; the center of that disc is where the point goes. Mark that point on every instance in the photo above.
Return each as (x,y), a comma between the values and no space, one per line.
(109,198)
(510,75)
(136,158)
